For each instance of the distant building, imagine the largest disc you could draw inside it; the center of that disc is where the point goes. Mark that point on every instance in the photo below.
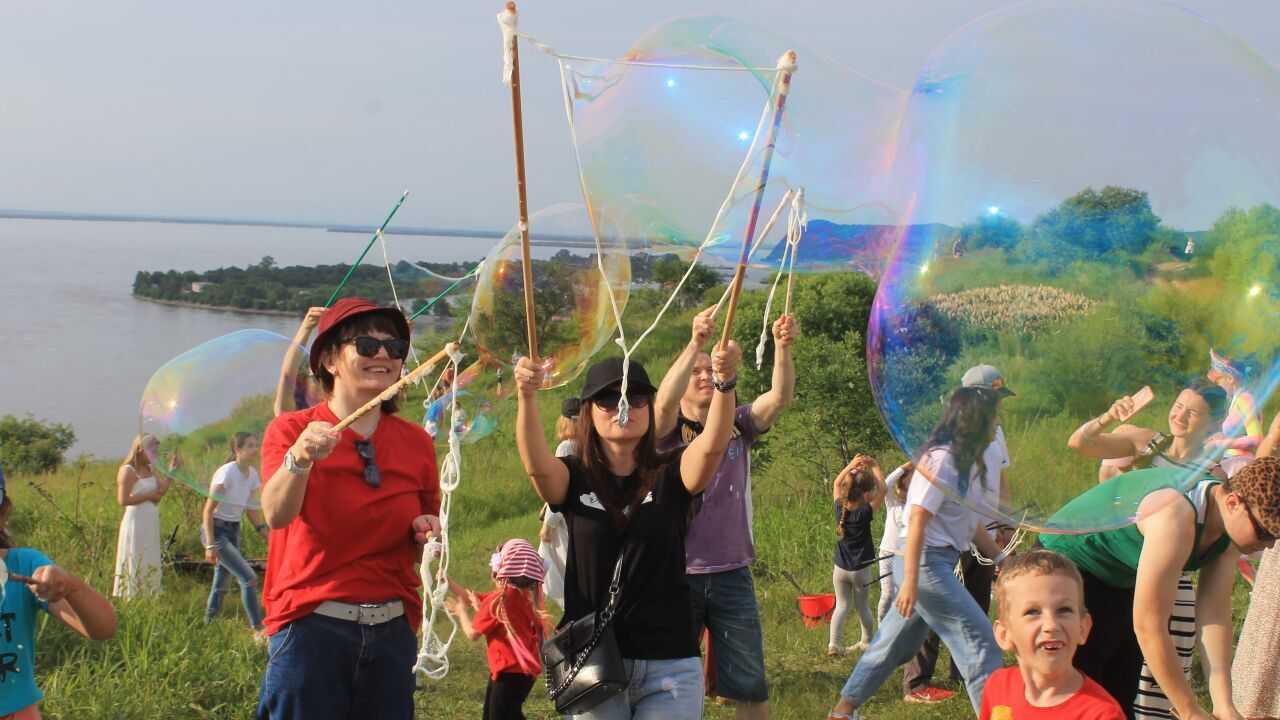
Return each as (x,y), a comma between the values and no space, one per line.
(197,287)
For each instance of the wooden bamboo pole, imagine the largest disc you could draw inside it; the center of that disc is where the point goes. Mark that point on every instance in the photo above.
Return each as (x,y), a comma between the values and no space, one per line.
(517,123)
(394,390)
(784,87)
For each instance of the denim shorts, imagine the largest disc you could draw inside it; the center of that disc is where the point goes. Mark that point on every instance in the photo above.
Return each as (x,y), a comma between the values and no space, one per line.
(659,690)
(725,604)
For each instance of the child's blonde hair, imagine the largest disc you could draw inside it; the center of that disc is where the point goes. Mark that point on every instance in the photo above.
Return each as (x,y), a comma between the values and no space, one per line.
(1035,562)
(565,428)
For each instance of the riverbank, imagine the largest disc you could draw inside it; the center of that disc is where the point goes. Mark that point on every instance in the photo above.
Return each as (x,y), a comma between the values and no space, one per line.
(219,308)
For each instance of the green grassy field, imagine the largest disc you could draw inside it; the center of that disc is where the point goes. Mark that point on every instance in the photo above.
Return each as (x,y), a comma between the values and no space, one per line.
(164,663)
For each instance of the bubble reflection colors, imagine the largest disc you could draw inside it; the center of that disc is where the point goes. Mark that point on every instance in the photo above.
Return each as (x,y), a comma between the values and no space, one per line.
(1091,219)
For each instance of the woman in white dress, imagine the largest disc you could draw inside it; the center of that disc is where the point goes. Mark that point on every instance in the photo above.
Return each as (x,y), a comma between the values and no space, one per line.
(138,490)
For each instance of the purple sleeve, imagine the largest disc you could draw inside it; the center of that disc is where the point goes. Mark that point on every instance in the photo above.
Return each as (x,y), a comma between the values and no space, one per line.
(746,425)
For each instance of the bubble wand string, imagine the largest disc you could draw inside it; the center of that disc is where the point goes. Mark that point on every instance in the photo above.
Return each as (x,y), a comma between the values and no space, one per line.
(507,20)
(474,271)
(392,391)
(376,234)
(788,65)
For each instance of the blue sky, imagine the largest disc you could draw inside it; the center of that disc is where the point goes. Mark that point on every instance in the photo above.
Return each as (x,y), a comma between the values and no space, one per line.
(324,111)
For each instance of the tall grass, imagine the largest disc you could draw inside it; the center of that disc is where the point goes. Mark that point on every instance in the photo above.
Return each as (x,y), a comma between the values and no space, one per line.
(165,663)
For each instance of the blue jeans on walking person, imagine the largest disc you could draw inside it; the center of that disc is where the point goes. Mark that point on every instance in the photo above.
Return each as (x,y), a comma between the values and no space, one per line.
(725,604)
(659,690)
(943,605)
(323,668)
(231,563)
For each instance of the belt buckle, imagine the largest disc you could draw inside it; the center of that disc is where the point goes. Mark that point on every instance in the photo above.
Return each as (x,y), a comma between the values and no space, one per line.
(372,613)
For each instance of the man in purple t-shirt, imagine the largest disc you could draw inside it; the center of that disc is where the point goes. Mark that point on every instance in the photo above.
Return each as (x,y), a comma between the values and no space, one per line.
(718,548)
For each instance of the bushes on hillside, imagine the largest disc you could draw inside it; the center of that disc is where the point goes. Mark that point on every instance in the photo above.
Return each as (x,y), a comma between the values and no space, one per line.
(31,446)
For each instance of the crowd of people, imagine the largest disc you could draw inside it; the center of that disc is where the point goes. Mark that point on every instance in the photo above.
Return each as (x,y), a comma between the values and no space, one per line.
(647,531)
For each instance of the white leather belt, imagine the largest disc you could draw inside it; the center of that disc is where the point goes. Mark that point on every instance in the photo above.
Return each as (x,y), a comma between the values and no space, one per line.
(364,613)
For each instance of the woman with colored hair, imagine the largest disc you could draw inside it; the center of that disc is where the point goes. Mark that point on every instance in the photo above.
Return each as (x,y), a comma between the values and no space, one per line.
(624,501)
(139,489)
(1242,428)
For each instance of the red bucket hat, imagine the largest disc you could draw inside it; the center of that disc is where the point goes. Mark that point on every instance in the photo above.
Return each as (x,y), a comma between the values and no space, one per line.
(344,310)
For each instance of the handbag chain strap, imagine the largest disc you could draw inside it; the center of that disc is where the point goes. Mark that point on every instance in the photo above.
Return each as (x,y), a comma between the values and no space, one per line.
(606,615)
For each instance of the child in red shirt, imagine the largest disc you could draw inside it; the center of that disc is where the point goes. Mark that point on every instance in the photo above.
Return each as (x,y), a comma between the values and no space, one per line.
(511,620)
(1040,600)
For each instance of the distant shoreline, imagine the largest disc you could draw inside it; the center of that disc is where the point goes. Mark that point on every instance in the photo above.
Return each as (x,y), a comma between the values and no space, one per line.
(220,308)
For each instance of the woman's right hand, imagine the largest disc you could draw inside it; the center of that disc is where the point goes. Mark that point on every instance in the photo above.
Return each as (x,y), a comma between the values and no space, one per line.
(316,442)
(1119,410)
(907,595)
(529,377)
(211,555)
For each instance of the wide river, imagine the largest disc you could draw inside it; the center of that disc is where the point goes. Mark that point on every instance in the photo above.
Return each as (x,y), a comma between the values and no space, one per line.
(79,348)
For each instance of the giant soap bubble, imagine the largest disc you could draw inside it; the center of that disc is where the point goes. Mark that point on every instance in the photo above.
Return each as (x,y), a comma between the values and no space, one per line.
(575,316)
(676,128)
(1092,189)
(196,402)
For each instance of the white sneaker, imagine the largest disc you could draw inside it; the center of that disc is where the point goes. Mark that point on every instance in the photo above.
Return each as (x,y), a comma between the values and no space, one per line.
(859,647)
(852,715)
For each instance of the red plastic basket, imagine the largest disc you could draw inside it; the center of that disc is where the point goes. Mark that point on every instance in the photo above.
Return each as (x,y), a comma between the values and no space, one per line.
(816,610)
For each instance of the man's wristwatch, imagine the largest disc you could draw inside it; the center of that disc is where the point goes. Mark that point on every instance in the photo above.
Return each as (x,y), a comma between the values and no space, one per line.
(292,465)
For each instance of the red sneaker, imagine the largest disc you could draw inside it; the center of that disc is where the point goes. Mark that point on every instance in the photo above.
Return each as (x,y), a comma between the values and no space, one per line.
(930,694)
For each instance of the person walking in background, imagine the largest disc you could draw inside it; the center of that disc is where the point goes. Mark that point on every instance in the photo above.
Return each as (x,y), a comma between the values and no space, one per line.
(858,491)
(951,476)
(720,547)
(917,676)
(139,491)
(233,491)
(627,508)
(1242,428)
(298,389)
(895,524)
(553,537)
(43,587)
(349,512)
(511,621)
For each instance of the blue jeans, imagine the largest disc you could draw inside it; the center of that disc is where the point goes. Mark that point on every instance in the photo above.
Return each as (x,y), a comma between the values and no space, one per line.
(226,535)
(659,690)
(943,605)
(322,668)
(725,603)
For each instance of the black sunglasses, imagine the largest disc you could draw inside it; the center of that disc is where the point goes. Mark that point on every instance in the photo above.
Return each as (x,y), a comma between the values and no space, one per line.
(368,346)
(1259,532)
(372,477)
(609,399)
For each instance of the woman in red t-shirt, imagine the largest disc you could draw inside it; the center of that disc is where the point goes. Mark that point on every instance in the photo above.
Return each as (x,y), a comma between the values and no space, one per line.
(511,620)
(348,512)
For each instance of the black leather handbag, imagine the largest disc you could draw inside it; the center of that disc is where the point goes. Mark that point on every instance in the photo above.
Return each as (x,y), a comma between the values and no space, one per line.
(582,662)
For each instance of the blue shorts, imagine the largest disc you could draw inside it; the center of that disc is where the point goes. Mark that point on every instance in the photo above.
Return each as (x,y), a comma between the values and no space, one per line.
(725,604)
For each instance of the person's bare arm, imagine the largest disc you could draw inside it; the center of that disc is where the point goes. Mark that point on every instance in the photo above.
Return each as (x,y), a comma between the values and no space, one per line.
(1090,440)
(550,477)
(1270,444)
(126,478)
(666,405)
(700,459)
(1213,615)
(459,609)
(283,494)
(1170,523)
(74,603)
(767,408)
(284,389)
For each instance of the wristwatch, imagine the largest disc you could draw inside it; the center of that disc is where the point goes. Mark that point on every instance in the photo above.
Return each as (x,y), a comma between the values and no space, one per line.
(291,465)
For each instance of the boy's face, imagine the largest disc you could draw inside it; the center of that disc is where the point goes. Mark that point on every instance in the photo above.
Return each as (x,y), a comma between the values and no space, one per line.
(1042,622)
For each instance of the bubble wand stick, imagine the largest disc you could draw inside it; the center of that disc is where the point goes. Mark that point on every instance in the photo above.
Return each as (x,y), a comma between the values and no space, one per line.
(787,64)
(507,20)
(394,390)
(376,234)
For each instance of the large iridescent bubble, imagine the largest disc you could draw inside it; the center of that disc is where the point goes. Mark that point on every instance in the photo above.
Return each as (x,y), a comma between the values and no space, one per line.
(677,128)
(1092,190)
(574,313)
(196,402)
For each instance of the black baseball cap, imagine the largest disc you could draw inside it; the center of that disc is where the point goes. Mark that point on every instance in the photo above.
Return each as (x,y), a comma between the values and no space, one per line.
(608,372)
(570,407)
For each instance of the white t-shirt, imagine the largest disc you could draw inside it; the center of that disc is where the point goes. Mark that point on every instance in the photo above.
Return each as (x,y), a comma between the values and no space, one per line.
(995,456)
(953,524)
(894,513)
(232,490)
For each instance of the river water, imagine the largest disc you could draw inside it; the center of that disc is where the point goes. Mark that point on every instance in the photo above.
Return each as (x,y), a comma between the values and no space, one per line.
(78,348)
